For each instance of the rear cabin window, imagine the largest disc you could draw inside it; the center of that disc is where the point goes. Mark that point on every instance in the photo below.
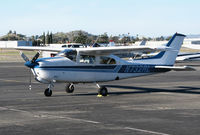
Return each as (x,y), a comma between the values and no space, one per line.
(107,60)
(87,59)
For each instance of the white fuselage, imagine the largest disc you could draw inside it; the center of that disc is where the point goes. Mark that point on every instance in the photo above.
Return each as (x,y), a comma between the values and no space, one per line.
(61,69)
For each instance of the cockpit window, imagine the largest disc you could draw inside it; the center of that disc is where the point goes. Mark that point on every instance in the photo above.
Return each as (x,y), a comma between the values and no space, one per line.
(70,54)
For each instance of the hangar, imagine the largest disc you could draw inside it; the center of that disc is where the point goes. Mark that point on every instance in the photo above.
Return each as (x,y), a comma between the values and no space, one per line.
(12,44)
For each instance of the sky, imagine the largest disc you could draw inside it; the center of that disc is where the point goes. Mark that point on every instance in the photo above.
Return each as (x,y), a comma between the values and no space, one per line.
(149,18)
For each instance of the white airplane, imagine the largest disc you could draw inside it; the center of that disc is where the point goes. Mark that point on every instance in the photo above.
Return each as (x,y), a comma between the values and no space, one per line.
(188,57)
(180,57)
(94,65)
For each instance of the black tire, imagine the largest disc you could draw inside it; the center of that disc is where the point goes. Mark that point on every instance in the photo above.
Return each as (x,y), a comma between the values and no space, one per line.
(103,91)
(69,88)
(47,92)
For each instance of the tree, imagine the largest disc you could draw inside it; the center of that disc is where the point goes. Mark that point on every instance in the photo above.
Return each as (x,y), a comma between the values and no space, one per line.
(80,38)
(51,38)
(34,42)
(43,38)
(125,39)
(168,38)
(47,38)
(10,32)
(103,38)
(114,39)
(14,32)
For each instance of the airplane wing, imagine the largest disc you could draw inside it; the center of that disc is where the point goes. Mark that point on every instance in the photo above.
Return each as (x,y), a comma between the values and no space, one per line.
(27,48)
(99,50)
(119,50)
(176,68)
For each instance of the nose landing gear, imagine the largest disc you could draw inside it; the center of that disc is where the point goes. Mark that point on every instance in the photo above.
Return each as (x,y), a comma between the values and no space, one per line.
(48,91)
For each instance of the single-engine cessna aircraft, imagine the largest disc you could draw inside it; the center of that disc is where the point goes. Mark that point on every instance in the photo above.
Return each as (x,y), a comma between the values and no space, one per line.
(100,64)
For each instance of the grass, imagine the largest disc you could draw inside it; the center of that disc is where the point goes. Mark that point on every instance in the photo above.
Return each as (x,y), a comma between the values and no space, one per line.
(10,55)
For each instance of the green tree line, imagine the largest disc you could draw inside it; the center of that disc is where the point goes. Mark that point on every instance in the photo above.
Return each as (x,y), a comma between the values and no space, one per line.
(78,36)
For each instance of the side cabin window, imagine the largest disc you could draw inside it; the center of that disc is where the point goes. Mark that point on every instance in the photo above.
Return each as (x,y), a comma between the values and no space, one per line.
(107,60)
(70,54)
(87,59)
(64,46)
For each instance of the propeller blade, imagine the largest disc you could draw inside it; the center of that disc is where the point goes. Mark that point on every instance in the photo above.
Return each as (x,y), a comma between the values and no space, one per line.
(24,56)
(35,57)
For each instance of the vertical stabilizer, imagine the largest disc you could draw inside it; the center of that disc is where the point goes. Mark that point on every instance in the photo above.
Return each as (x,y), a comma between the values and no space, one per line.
(166,57)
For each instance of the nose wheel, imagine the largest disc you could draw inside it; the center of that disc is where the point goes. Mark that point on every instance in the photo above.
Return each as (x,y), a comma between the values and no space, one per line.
(48,92)
(69,88)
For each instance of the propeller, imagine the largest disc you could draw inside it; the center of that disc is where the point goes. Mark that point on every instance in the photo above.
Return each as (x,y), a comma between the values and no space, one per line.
(35,57)
(31,64)
(24,56)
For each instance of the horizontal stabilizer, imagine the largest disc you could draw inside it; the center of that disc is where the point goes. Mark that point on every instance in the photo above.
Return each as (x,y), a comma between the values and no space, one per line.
(176,68)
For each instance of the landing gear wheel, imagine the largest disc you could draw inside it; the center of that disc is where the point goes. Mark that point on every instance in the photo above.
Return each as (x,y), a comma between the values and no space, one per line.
(48,92)
(69,88)
(103,91)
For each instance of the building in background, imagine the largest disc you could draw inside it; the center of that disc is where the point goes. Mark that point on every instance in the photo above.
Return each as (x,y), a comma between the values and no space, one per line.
(13,44)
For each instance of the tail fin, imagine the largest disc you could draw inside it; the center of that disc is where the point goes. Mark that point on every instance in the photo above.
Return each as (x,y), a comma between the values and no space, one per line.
(143,42)
(167,57)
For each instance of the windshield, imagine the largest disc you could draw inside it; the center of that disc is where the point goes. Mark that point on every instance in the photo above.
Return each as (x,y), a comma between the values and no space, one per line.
(68,53)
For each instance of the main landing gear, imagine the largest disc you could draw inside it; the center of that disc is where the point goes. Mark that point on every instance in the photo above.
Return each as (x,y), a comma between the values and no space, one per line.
(69,88)
(102,91)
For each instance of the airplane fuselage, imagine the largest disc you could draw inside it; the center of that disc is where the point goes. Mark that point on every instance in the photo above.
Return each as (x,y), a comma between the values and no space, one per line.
(64,70)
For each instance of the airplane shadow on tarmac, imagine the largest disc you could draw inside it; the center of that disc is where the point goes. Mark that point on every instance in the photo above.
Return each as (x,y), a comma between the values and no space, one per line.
(141,90)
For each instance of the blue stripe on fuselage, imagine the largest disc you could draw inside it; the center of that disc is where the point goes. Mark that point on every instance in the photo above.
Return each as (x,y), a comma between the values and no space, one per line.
(110,69)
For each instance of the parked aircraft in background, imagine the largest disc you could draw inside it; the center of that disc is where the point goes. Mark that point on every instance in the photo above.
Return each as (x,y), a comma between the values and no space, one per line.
(62,46)
(192,46)
(100,64)
(180,57)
